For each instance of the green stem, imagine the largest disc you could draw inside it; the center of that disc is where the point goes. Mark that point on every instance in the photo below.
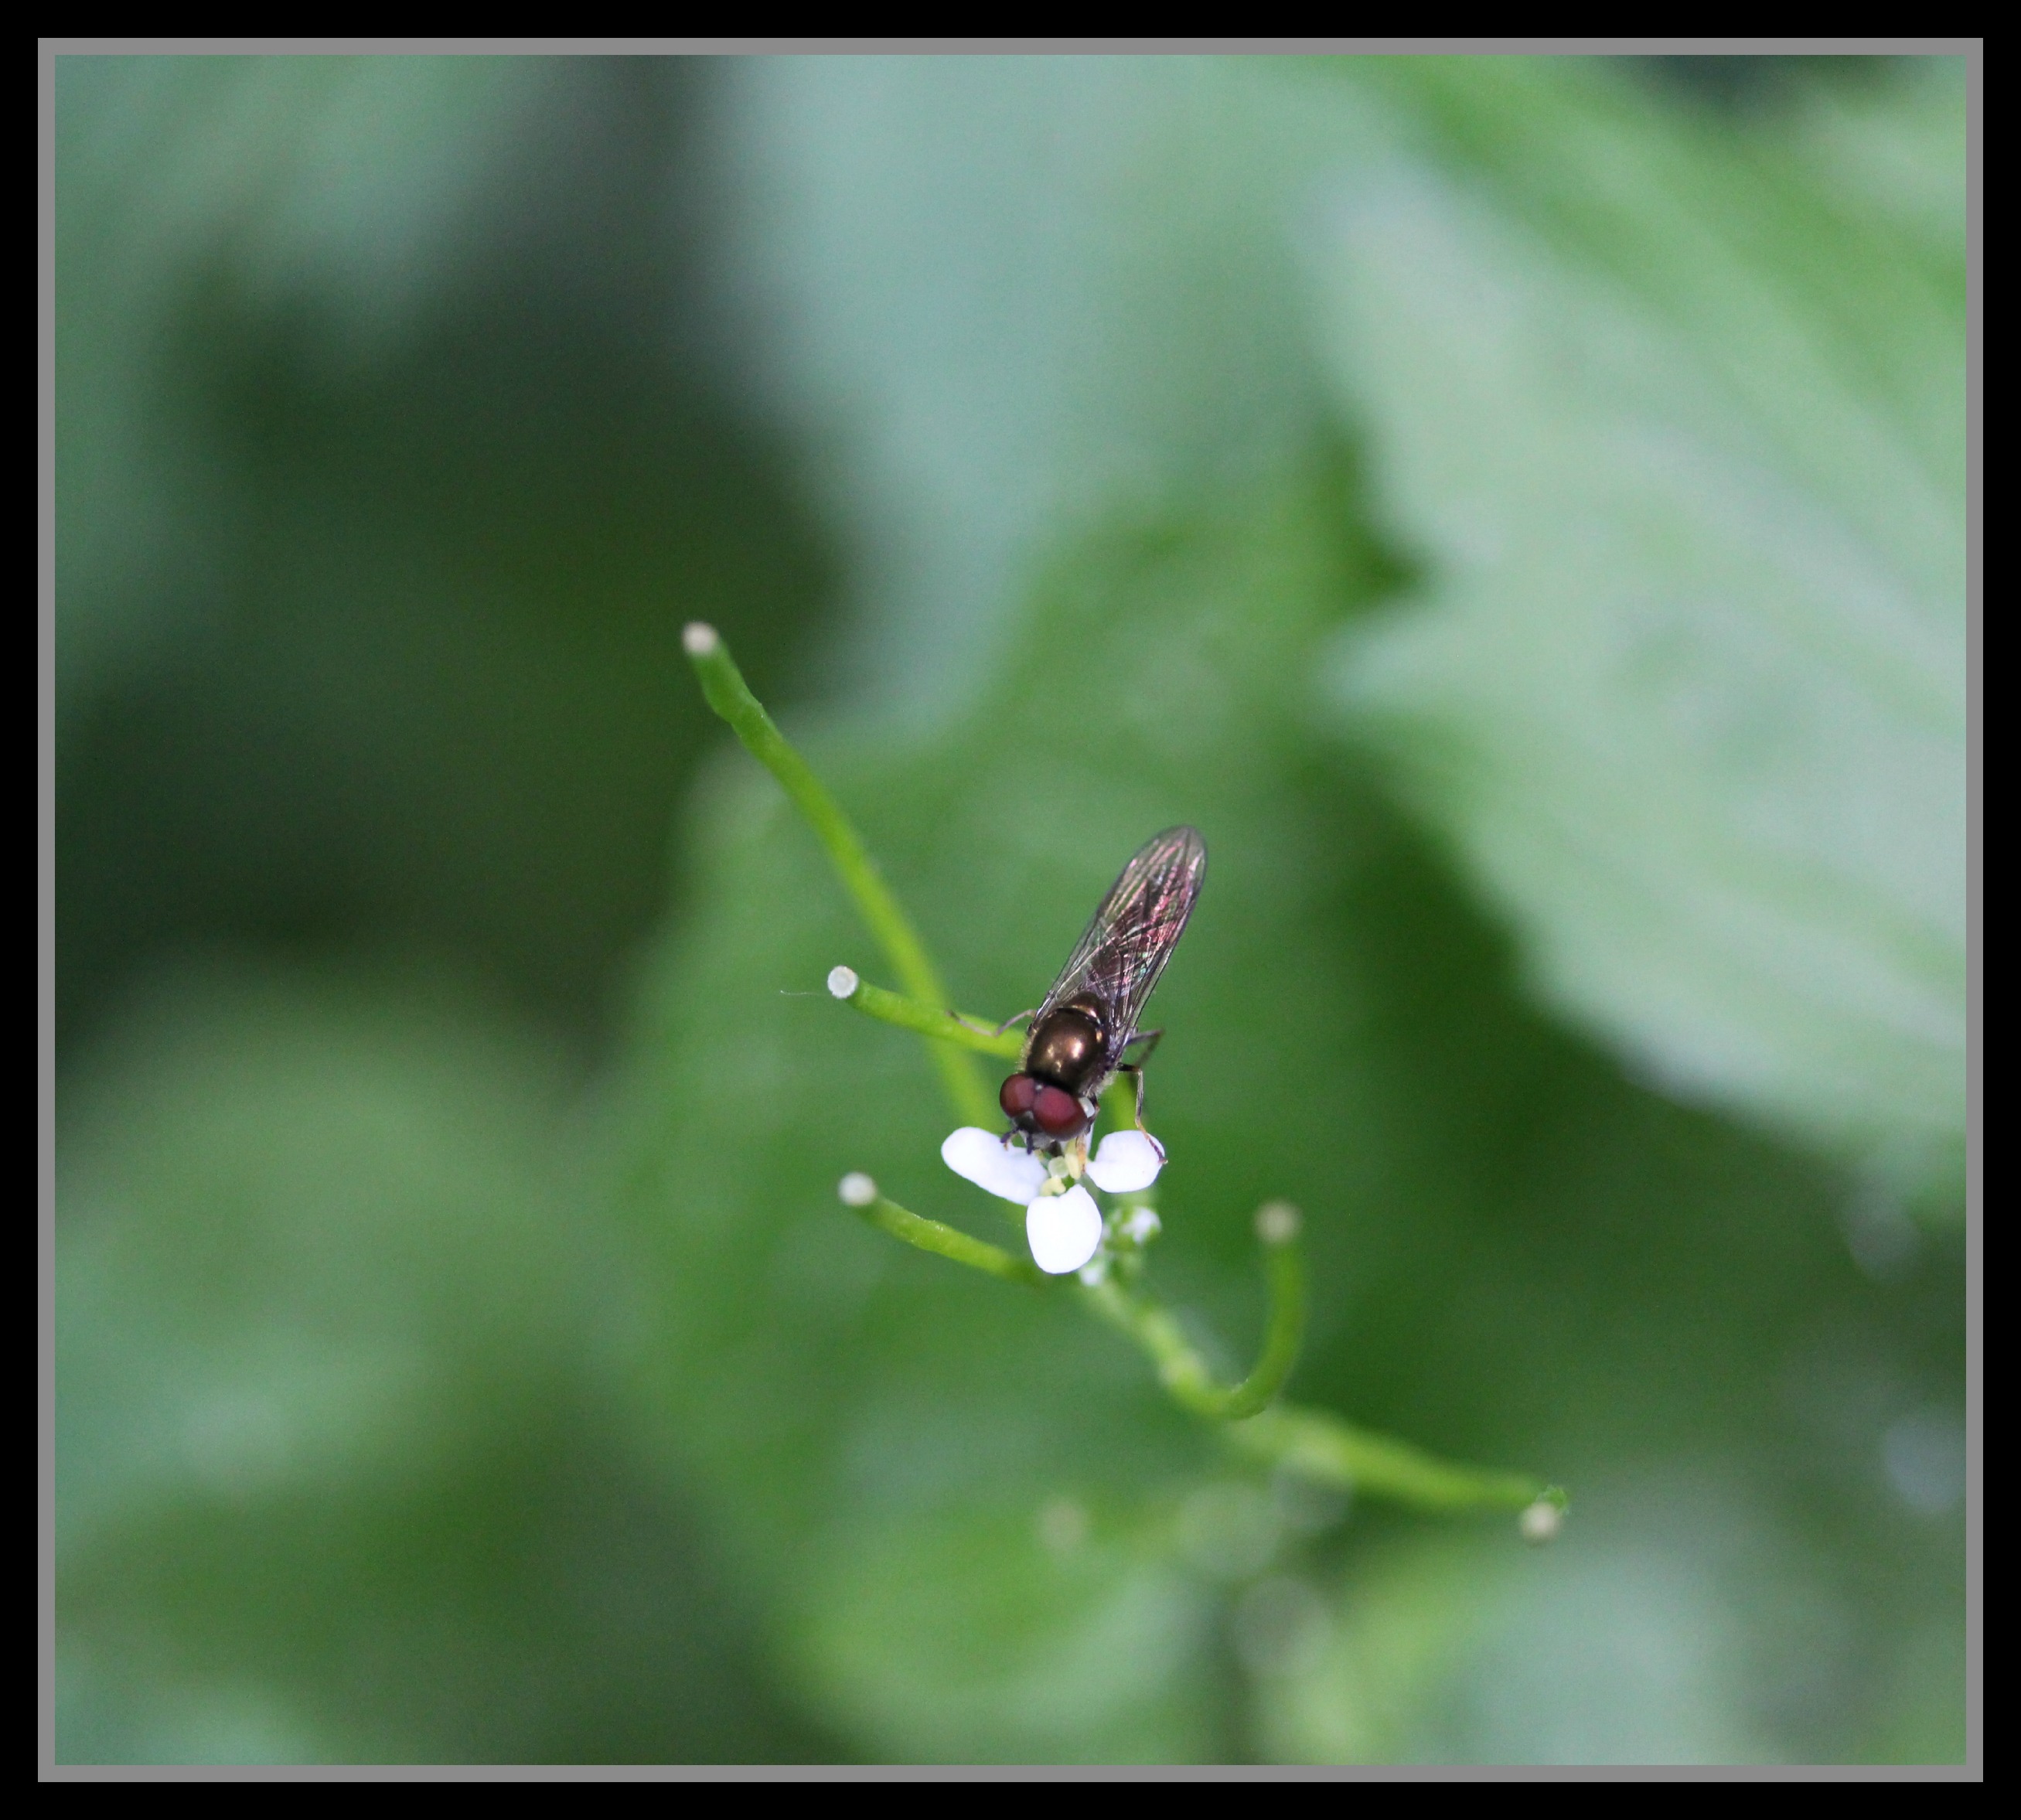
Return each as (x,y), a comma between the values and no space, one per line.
(1313,1443)
(1316,1444)
(927,1020)
(1283,1335)
(946,1241)
(1186,1375)
(723,684)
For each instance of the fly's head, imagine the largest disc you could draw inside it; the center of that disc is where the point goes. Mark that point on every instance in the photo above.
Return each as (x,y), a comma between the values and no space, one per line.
(1046,1113)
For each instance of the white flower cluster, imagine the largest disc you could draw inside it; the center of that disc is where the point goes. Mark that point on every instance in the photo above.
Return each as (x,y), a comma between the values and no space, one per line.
(1062,1224)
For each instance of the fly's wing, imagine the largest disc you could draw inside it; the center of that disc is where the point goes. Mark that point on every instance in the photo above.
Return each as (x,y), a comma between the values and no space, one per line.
(1126,945)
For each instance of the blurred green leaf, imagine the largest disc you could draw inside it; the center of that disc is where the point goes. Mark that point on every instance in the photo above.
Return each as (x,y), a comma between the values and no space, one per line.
(1348,1679)
(343,182)
(419,682)
(1434,1651)
(1681,437)
(1000,1635)
(335,1477)
(1686,1624)
(1901,146)
(291,1237)
(1926,1715)
(999,298)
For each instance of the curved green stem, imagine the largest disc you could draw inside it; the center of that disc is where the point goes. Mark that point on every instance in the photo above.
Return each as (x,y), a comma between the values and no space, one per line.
(929,1020)
(946,1241)
(1313,1444)
(723,685)
(1283,1337)
(1316,1444)
(1186,1375)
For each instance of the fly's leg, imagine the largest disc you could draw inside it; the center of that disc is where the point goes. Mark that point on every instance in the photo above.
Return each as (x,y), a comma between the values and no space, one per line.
(970,1024)
(1149,1040)
(1135,1071)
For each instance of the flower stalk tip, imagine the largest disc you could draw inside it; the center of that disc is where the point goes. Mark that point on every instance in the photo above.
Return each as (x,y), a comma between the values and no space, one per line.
(1541,1521)
(699,639)
(1278,1222)
(843,982)
(857,1189)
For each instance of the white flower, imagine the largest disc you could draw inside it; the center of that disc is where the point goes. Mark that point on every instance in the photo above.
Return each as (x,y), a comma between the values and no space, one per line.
(985,1159)
(1126,1161)
(1064,1231)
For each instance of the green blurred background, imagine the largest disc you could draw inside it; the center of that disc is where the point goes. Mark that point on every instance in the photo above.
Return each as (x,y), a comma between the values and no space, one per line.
(1515,509)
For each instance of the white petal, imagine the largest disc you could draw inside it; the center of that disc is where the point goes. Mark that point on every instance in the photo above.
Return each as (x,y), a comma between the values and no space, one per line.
(985,1159)
(1124,1162)
(1064,1231)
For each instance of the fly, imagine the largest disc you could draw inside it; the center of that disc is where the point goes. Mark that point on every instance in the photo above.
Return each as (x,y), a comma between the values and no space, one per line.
(1089,1019)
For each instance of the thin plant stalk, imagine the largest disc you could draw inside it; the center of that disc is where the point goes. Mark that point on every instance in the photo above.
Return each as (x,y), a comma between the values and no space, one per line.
(1186,1376)
(921,1018)
(943,1241)
(723,686)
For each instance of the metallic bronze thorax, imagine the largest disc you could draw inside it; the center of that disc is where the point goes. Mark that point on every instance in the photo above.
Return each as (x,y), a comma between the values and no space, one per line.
(1069,1046)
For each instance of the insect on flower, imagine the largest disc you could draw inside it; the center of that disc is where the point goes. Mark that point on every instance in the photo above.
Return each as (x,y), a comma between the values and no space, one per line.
(1080,1040)
(1080,1035)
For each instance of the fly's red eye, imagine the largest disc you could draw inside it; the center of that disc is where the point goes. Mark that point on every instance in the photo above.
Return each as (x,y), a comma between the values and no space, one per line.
(1019,1091)
(1058,1113)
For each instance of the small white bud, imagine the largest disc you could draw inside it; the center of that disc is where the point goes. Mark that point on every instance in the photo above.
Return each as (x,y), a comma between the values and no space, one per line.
(1126,1161)
(857,1189)
(1064,1231)
(1540,1522)
(1143,1226)
(699,639)
(842,980)
(1277,1222)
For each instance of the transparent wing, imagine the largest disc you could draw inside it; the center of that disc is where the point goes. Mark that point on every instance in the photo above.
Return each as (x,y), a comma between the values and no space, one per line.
(1130,938)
